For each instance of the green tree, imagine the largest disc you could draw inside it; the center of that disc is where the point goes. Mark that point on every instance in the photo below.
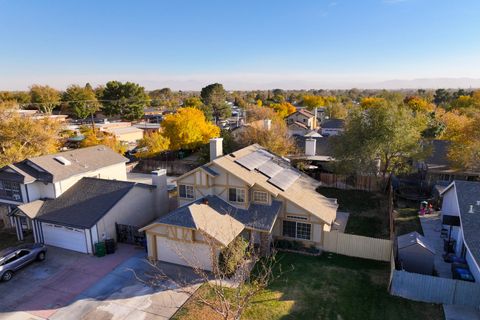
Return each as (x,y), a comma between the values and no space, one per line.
(441,97)
(214,97)
(193,102)
(45,98)
(81,101)
(126,100)
(387,133)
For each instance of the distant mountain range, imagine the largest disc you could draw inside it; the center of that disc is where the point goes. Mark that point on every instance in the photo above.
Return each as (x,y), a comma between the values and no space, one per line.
(231,84)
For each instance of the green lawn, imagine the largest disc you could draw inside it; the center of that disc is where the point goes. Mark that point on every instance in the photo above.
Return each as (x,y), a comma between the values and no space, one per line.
(368,211)
(326,287)
(8,238)
(406,218)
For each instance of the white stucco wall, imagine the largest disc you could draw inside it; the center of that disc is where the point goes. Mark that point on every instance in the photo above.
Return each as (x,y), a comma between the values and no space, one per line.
(114,172)
(135,208)
(450,203)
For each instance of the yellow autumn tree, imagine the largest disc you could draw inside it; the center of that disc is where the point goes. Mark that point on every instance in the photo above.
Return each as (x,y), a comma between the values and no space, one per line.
(418,104)
(97,137)
(276,139)
(370,102)
(283,109)
(23,137)
(188,129)
(312,101)
(464,152)
(454,123)
(152,145)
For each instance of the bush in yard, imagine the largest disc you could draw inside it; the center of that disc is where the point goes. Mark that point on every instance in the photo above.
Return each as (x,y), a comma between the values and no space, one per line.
(232,255)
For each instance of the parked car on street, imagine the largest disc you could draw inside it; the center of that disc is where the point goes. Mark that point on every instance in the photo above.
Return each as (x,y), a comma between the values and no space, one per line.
(13,259)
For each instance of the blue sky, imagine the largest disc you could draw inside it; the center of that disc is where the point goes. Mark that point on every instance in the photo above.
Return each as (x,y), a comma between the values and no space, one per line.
(245,44)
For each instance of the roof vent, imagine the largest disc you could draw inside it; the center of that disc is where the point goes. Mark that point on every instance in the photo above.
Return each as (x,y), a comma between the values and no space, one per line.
(471,209)
(63,161)
(478,202)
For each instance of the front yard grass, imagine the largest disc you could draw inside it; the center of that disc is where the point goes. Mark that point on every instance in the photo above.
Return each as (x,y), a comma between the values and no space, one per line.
(368,211)
(327,287)
(8,238)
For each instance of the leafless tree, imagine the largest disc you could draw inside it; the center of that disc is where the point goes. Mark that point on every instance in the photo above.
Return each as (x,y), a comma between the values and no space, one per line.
(227,294)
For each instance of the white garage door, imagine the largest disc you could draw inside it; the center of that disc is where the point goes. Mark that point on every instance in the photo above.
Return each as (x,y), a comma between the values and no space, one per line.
(184,253)
(63,237)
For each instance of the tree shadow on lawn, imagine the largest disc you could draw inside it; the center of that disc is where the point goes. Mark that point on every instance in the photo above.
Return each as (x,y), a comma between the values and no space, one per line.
(368,211)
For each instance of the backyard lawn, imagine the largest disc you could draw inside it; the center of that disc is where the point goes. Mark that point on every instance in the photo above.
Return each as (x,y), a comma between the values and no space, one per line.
(368,211)
(326,287)
(406,218)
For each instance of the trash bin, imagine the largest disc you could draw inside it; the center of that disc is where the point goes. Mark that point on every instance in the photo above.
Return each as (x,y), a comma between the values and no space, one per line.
(100,249)
(110,246)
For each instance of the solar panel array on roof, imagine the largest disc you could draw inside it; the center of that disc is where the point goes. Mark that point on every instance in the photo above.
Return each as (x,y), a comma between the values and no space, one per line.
(269,169)
(261,160)
(284,179)
(254,160)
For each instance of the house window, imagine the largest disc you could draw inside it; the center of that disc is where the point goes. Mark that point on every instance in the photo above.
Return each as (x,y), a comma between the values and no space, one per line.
(297,218)
(297,230)
(185,191)
(260,196)
(236,195)
(10,190)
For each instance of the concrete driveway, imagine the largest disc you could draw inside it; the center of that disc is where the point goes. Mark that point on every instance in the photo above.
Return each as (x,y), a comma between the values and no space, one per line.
(70,285)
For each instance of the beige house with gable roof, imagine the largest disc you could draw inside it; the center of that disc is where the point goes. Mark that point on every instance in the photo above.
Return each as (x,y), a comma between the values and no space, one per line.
(263,197)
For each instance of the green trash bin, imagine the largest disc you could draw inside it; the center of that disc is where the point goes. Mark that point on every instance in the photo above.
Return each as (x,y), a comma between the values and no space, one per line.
(100,249)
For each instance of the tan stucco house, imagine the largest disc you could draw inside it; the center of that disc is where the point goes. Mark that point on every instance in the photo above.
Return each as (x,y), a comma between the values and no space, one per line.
(250,192)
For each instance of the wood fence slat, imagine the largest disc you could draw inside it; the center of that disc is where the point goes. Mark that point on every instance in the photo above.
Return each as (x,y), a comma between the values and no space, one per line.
(357,246)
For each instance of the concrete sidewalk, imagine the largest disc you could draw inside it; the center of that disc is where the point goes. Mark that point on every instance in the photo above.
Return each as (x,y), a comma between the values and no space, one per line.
(432,225)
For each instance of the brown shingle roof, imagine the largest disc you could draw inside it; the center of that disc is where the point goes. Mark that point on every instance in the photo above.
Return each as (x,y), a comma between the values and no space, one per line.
(81,161)
(302,192)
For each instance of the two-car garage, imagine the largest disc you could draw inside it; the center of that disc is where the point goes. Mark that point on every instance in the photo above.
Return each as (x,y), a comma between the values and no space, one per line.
(65,237)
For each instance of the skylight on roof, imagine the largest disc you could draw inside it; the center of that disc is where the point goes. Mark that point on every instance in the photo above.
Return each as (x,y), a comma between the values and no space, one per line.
(63,160)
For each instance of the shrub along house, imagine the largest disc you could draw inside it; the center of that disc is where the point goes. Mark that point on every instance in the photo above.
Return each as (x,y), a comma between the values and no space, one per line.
(251,193)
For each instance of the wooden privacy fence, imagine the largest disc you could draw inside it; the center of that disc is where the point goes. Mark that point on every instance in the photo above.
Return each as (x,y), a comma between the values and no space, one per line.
(420,287)
(357,246)
(176,167)
(365,183)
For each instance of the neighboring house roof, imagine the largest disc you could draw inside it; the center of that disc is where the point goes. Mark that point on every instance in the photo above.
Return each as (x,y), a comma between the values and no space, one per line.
(221,220)
(48,169)
(303,112)
(124,130)
(468,193)
(313,134)
(438,162)
(86,202)
(413,238)
(438,159)
(300,190)
(333,124)
(299,124)
(323,149)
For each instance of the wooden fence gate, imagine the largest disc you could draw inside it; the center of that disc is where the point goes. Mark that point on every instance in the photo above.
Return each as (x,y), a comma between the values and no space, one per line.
(130,234)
